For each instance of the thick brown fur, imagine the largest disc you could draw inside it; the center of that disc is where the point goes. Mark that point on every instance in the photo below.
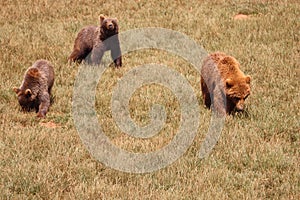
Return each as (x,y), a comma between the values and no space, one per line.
(223,84)
(92,41)
(35,90)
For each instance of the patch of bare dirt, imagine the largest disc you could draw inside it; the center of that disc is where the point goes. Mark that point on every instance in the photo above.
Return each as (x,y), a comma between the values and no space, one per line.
(49,124)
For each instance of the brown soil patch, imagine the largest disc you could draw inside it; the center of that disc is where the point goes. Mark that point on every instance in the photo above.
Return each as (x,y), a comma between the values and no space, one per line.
(49,124)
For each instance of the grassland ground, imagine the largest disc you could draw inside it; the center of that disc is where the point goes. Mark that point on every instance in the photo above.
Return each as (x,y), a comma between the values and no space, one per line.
(257,155)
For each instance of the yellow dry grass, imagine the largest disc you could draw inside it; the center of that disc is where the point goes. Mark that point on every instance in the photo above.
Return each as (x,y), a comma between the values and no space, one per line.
(257,156)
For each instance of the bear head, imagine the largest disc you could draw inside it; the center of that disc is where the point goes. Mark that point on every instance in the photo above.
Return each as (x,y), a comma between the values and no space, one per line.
(108,27)
(237,91)
(26,97)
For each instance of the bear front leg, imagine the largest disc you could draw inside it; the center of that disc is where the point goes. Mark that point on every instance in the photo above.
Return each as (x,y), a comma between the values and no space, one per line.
(116,56)
(218,102)
(44,106)
(115,51)
(118,62)
(96,54)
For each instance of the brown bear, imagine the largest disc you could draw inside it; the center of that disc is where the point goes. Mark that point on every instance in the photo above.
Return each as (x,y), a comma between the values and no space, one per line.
(93,41)
(35,90)
(223,84)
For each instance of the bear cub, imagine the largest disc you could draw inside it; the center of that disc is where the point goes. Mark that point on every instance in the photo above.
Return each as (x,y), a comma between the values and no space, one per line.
(92,41)
(35,90)
(224,86)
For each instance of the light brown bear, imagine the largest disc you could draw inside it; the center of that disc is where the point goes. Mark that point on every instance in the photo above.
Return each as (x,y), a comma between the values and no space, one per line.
(35,90)
(223,84)
(93,41)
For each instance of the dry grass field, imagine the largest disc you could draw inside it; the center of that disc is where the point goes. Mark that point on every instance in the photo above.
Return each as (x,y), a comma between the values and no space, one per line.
(257,155)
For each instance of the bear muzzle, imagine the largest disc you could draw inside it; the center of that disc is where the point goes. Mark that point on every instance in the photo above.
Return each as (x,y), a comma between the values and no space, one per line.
(240,107)
(110,26)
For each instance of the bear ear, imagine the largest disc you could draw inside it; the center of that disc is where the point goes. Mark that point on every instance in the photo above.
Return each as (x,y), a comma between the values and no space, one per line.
(227,60)
(248,79)
(101,18)
(230,61)
(229,83)
(33,72)
(28,92)
(115,20)
(16,90)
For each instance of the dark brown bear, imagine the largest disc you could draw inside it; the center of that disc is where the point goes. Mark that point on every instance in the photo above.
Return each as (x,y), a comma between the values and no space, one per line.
(35,90)
(93,41)
(223,84)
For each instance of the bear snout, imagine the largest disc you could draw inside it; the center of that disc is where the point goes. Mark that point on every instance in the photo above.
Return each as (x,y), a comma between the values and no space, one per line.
(240,107)
(110,26)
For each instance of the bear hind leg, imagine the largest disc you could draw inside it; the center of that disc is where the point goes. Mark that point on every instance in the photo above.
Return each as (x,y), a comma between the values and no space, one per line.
(76,56)
(79,54)
(205,94)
